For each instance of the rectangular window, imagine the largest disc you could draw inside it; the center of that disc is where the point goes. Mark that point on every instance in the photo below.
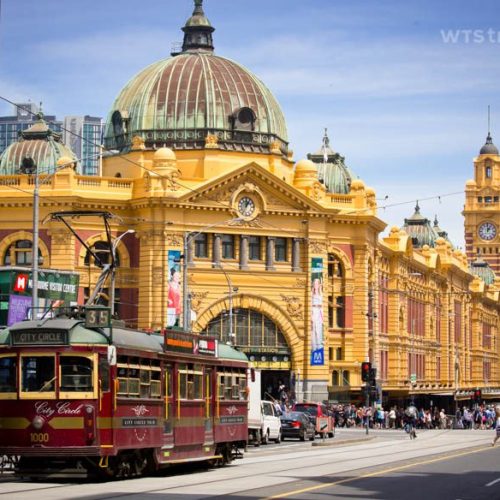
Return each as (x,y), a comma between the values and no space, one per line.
(340,306)
(201,246)
(280,249)
(254,247)
(38,374)
(227,242)
(8,370)
(76,374)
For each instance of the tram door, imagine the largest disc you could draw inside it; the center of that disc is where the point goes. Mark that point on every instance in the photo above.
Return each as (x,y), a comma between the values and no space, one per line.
(107,400)
(168,426)
(209,405)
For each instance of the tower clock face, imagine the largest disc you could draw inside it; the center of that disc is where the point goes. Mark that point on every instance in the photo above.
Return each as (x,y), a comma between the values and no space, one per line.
(246,206)
(487,231)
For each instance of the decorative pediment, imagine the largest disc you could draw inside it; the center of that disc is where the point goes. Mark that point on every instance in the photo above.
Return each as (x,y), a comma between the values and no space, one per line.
(270,192)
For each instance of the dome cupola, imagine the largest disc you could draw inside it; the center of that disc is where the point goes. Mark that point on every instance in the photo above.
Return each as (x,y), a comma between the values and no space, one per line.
(39,147)
(420,230)
(179,101)
(481,268)
(489,148)
(332,171)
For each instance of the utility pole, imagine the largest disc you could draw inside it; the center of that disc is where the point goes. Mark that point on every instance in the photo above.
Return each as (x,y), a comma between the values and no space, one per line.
(34,247)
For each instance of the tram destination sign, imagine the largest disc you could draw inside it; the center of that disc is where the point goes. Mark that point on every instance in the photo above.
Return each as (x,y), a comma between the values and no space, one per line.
(39,337)
(188,343)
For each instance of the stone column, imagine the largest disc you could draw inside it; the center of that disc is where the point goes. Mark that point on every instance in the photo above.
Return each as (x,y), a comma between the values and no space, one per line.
(270,254)
(296,255)
(216,253)
(244,252)
(153,281)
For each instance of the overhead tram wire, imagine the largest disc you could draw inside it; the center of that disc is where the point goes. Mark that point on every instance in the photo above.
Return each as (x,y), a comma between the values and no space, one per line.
(225,205)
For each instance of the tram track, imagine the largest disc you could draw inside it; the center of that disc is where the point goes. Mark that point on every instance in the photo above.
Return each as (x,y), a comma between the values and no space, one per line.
(372,451)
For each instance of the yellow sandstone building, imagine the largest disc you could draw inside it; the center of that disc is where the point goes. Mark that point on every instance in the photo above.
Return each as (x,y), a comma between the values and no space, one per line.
(284,259)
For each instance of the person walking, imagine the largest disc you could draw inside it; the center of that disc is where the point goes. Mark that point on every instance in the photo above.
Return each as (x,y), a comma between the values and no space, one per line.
(497,425)
(410,419)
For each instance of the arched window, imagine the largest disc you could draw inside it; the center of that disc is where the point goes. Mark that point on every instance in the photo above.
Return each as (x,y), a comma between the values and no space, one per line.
(335,377)
(101,249)
(346,376)
(19,254)
(253,331)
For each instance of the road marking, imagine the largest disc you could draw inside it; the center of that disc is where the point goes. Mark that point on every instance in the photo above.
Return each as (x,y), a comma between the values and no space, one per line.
(492,483)
(373,474)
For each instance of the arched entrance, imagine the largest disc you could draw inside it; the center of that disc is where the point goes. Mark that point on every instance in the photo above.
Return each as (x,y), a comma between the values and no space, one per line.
(262,340)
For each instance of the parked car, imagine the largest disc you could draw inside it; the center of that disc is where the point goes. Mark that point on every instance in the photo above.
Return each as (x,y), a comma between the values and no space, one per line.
(297,425)
(271,423)
(320,415)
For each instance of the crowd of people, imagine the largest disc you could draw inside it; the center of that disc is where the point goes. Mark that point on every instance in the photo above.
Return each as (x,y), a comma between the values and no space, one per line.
(350,415)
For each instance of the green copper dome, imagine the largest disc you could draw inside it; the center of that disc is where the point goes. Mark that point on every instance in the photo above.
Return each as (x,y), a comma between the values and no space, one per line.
(40,144)
(177,102)
(481,268)
(420,230)
(332,170)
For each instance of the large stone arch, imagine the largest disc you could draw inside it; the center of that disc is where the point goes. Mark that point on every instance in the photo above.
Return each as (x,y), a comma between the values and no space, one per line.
(121,249)
(259,304)
(24,235)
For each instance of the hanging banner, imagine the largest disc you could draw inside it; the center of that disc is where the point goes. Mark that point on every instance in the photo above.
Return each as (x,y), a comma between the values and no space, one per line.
(317,349)
(174,307)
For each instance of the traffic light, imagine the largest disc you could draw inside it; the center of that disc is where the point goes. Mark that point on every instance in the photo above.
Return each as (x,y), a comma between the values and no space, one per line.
(477,396)
(366,368)
(373,377)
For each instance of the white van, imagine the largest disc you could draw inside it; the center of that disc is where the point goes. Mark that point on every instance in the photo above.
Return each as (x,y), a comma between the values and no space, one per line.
(264,424)
(271,423)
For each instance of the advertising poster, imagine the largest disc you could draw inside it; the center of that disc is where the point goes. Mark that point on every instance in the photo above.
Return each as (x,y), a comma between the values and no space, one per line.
(18,308)
(174,307)
(317,349)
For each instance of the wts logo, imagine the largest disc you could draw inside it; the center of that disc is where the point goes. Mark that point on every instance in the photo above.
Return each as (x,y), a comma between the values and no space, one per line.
(21,283)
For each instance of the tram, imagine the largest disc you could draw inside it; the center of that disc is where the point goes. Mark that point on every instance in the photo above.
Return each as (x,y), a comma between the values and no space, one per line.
(82,400)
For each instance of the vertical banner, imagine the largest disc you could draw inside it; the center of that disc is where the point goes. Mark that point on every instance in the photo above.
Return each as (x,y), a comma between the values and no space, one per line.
(18,308)
(317,349)
(174,307)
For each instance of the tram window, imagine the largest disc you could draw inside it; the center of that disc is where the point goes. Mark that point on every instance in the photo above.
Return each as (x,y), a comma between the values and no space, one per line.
(243,388)
(133,382)
(145,383)
(155,384)
(8,374)
(168,381)
(76,374)
(38,374)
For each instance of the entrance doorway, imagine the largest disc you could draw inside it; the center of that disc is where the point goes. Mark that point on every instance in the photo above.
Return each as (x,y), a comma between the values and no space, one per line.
(271,380)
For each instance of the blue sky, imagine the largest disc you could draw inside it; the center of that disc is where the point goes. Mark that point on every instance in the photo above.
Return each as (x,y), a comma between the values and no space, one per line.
(406,109)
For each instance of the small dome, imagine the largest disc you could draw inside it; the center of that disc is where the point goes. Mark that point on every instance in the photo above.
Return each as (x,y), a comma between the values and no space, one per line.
(470,183)
(489,148)
(41,145)
(481,268)
(164,154)
(305,166)
(65,161)
(419,229)
(332,171)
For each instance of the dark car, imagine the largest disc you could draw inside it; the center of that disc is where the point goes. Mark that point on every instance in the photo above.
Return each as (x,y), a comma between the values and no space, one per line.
(320,416)
(297,425)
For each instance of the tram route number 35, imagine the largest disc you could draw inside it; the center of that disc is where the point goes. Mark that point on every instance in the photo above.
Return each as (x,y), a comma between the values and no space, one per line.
(98,317)
(39,437)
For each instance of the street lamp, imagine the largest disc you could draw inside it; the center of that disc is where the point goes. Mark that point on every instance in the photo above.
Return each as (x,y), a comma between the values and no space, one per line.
(232,289)
(113,269)
(28,166)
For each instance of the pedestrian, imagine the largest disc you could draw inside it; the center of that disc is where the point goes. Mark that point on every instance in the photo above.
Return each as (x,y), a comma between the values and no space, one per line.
(497,425)
(392,418)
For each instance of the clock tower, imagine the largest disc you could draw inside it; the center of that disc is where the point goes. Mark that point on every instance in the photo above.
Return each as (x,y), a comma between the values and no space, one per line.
(482,208)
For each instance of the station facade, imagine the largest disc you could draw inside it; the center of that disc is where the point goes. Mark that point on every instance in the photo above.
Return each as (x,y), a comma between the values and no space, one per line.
(286,260)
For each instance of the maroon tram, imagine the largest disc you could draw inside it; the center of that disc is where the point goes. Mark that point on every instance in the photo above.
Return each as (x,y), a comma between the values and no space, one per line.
(75,400)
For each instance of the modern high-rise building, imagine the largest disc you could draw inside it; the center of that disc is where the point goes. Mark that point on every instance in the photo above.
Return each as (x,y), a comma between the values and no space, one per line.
(82,134)
(23,117)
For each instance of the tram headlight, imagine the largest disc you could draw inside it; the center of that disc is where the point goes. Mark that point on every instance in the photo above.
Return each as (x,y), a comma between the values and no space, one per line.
(38,422)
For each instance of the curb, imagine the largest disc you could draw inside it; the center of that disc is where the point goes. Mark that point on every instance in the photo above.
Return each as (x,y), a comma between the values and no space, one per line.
(341,441)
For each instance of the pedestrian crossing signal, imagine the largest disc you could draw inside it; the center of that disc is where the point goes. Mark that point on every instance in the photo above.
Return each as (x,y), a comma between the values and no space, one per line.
(477,395)
(366,368)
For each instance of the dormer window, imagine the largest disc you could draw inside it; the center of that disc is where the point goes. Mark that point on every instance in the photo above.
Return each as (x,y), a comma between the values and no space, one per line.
(243,119)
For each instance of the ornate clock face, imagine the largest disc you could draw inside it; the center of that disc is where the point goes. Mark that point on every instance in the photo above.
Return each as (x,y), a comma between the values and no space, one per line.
(246,206)
(487,231)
